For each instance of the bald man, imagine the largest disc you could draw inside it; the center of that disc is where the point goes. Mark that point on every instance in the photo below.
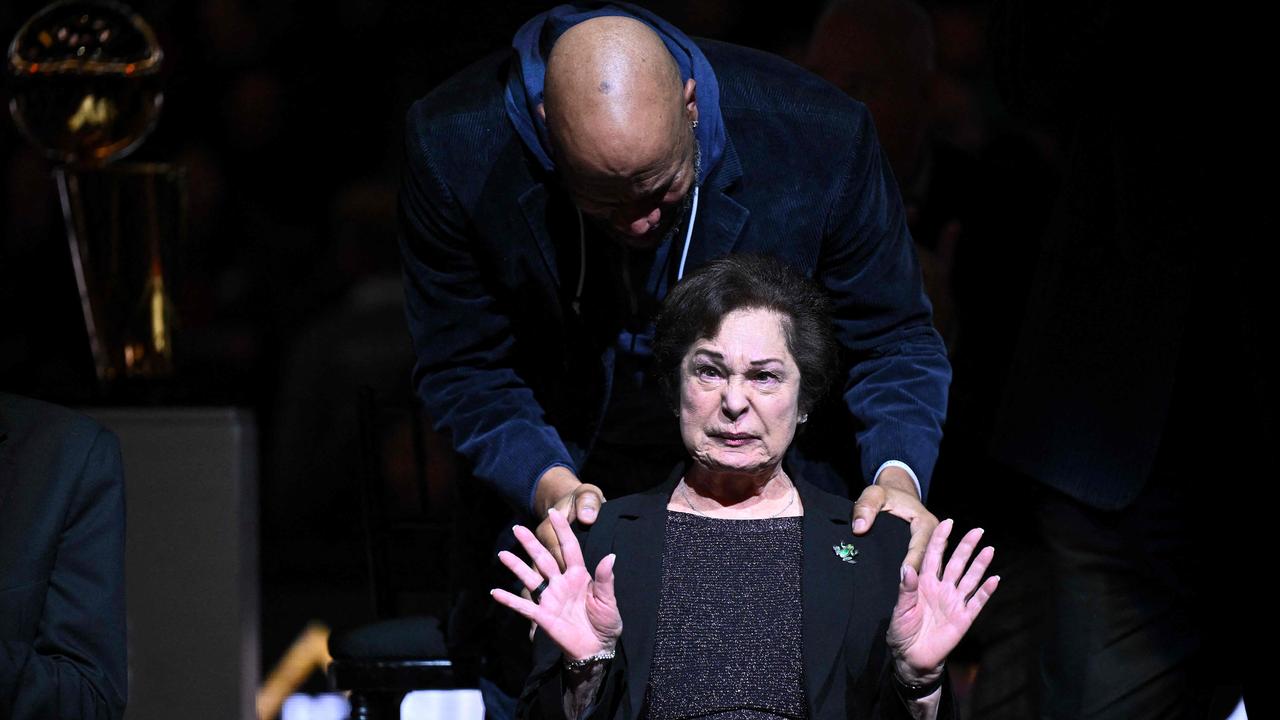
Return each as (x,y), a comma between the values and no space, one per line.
(552,196)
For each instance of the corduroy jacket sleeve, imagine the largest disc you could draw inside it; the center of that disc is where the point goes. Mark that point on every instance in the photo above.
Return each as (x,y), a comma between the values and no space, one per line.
(463,334)
(896,385)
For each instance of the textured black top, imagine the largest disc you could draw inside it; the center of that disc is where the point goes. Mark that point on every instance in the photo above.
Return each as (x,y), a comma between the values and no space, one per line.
(728,634)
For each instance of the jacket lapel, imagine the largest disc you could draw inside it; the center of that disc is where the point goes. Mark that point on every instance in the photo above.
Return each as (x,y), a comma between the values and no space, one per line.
(720,218)
(638,588)
(827,589)
(534,204)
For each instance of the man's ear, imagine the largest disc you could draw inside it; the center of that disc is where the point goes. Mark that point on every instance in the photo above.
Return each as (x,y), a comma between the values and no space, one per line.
(691,99)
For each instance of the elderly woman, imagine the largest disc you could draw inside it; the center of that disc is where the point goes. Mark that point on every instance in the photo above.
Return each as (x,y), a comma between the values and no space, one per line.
(735,589)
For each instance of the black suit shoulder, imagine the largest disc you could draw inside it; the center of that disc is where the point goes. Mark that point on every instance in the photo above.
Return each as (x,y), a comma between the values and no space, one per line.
(881,551)
(44,449)
(24,421)
(62,619)
(756,83)
(597,539)
(887,530)
(475,90)
(631,504)
(458,135)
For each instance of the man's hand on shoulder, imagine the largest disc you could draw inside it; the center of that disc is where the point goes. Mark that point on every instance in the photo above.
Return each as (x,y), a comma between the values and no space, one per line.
(559,488)
(895,493)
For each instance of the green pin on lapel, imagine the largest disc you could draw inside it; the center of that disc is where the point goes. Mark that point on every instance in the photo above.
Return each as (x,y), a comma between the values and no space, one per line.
(846,552)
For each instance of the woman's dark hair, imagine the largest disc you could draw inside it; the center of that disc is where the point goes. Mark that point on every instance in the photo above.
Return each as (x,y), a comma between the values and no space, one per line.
(698,304)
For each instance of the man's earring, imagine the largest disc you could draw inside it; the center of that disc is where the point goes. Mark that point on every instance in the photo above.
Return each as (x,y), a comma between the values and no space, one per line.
(804,418)
(693,124)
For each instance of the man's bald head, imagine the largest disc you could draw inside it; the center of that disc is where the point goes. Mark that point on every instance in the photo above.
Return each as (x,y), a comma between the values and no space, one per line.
(613,98)
(619,118)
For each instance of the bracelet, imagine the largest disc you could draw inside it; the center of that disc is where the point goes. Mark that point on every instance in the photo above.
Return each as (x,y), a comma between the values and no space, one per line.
(598,657)
(909,691)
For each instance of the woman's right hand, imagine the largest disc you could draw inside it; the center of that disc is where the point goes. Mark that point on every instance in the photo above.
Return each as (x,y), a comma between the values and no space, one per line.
(575,610)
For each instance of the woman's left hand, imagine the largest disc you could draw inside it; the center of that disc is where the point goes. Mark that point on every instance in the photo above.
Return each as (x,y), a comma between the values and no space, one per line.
(575,609)
(937,605)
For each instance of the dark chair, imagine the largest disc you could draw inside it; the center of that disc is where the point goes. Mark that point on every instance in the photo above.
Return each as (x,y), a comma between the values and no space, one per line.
(382,662)
(407,495)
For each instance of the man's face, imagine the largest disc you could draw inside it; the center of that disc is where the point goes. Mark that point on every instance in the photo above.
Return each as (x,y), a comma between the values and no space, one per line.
(641,208)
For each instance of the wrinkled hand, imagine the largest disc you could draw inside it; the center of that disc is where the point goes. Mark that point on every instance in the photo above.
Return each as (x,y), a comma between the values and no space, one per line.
(577,611)
(577,502)
(936,606)
(897,497)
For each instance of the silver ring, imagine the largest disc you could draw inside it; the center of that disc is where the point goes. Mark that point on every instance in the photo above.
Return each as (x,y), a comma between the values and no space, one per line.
(537,592)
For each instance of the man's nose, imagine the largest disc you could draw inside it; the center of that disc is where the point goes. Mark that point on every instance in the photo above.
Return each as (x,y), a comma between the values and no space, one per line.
(643,225)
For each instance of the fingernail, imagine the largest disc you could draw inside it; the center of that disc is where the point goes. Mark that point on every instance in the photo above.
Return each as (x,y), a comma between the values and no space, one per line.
(902,574)
(588,513)
(859,525)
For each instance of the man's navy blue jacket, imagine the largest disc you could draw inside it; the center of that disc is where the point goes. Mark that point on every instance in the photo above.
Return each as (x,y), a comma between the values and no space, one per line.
(508,367)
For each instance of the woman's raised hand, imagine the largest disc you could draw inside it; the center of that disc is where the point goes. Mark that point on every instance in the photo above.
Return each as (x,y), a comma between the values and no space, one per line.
(575,610)
(937,605)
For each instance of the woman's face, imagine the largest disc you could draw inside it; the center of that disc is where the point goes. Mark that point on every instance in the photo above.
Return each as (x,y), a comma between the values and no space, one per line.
(740,394)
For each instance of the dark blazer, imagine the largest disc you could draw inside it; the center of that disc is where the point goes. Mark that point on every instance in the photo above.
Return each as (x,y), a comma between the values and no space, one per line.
(846,609)
(490,246)
(62,612)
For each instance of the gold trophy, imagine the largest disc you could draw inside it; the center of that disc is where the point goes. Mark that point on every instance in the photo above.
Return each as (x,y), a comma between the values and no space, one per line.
(86,91)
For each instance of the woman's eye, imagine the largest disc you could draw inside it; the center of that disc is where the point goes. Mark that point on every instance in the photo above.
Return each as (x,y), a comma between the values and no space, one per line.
(707,372)
(766,377)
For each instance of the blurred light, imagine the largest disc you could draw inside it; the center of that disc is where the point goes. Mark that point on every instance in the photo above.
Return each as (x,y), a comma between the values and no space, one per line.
(435,704)
(328,706)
